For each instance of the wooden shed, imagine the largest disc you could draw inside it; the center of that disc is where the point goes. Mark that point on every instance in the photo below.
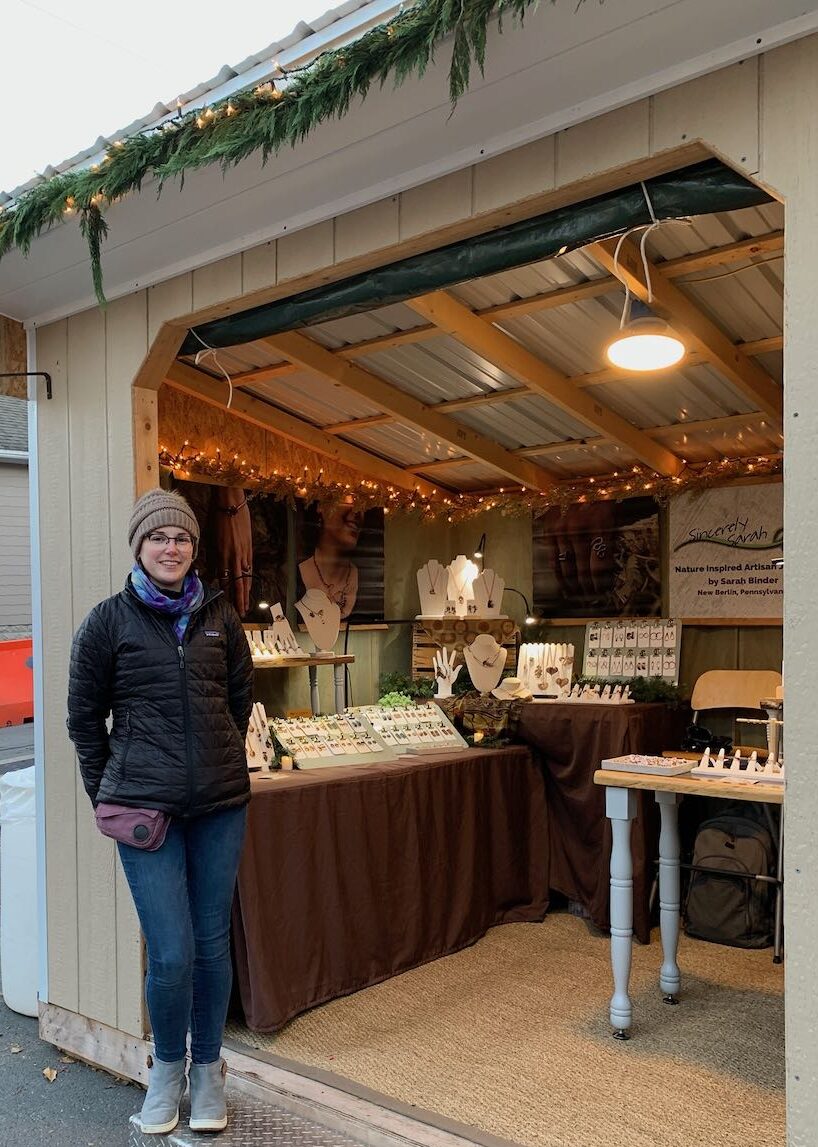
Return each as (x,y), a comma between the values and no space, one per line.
(577,106)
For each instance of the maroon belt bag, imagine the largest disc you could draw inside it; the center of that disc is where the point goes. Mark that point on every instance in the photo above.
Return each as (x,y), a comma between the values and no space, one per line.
(139,827)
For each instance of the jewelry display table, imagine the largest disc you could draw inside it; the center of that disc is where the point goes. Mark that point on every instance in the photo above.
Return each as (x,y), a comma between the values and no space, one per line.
(621,809)
(337,661)
(353,874)
(570,739)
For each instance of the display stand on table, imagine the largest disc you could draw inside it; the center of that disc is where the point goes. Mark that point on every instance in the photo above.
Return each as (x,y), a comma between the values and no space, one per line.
(431,634)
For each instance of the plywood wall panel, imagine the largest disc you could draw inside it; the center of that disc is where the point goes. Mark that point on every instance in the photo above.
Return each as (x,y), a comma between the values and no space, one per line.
(54,492)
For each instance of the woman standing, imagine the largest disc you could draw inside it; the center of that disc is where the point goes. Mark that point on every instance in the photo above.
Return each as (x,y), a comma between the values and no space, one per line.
(168,659)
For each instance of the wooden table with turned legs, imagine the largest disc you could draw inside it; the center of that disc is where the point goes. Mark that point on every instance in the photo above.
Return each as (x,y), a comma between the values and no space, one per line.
(620,808)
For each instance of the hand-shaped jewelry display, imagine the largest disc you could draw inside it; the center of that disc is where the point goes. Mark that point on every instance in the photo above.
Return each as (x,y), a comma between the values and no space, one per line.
(282,636)
(445,672)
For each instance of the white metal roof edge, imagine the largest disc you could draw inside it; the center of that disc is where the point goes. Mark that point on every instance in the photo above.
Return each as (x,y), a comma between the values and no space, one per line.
(775,35)
(304,42)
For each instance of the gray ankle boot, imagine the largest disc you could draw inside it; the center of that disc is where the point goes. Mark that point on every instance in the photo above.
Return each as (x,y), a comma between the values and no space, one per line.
(166,1086)
(208,1108)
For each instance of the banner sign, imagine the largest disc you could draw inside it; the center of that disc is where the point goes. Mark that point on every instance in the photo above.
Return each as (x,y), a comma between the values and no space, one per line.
(722,546)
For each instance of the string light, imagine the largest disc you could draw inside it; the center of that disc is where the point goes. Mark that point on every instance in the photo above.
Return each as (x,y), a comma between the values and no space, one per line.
(231,469)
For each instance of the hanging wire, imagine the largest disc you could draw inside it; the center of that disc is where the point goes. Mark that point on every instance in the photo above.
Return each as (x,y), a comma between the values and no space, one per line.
(646,229)
(212,352)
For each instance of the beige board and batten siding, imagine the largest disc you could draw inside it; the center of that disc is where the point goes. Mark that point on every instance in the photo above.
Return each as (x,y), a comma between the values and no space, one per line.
(727,111)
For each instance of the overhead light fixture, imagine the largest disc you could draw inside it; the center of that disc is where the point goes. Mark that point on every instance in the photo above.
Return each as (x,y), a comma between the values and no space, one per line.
(645,342)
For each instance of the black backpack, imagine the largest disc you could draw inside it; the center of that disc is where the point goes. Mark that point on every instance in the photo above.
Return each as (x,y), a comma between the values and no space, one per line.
(723,906)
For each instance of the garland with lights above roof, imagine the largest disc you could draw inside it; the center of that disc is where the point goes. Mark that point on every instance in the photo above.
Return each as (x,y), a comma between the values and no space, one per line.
(266,118)
(637,481)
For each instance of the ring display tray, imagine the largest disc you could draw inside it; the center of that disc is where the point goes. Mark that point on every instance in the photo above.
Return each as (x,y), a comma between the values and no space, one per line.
(739,770)
(657,766)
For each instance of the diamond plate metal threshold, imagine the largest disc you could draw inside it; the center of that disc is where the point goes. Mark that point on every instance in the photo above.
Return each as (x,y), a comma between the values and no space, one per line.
(325,1102)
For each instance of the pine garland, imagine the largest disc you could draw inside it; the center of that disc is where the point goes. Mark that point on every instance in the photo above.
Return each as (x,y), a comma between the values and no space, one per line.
(282,111)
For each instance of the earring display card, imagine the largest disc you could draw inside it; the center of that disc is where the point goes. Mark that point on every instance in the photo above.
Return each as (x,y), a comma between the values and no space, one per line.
(629,648)
(413,729)
(321,742)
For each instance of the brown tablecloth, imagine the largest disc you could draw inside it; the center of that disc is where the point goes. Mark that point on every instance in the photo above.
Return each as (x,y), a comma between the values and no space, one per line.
(570,742)
(352,874)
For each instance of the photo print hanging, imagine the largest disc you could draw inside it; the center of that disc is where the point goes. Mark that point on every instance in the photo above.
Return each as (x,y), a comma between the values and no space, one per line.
(260,550)
(340,550)
(598,560)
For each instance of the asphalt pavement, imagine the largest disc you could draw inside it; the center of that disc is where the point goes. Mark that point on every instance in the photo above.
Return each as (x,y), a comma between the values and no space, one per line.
(80,1106)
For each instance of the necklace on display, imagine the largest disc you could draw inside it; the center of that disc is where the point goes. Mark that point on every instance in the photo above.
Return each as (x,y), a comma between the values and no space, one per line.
(461,589)
(488,664)
(338,596)
(432,581)
(319,613)
(490,592)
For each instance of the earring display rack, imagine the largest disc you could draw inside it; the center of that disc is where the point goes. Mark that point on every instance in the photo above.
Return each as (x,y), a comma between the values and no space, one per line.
(621,649)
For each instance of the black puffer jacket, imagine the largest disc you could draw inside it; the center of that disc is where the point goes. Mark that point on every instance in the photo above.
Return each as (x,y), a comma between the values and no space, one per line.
(180,714)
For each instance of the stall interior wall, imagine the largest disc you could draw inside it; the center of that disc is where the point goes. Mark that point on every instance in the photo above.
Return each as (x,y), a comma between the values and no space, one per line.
(758,114)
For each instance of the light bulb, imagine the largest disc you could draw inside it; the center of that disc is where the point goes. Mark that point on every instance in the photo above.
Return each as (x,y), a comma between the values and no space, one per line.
(645,342)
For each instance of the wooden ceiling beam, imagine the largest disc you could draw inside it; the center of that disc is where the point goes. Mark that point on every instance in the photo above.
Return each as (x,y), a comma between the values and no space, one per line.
(407,409)
(199,385)
(718,256)
(506,353)
(699,331)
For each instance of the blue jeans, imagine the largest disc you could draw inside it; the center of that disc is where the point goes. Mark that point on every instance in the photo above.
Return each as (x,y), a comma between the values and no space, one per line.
(183,894)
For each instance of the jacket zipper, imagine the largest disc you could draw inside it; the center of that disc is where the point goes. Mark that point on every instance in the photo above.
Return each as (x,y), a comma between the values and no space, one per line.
(185,700)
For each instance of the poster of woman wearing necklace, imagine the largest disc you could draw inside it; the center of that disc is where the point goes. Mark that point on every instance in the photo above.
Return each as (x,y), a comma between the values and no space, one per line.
(340,551)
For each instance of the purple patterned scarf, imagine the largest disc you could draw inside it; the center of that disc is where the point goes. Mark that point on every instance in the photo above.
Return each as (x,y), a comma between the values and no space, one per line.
(180,608)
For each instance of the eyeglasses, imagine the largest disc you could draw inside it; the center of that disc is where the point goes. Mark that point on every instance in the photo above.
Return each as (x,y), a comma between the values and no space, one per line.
(181,541)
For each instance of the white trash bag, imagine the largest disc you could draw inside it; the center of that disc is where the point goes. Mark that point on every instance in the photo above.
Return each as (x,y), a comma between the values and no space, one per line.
(18,892)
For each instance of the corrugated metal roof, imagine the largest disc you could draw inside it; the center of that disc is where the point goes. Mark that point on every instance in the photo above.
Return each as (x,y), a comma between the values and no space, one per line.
(294,49)
(743,298)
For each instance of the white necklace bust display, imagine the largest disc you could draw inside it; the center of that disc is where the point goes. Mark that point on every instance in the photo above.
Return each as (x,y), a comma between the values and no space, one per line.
(485,661)
(322,619)
(433,581)
(487,590)
(462,573)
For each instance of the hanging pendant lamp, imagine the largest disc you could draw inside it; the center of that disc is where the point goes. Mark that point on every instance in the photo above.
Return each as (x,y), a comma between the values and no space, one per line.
(645,342)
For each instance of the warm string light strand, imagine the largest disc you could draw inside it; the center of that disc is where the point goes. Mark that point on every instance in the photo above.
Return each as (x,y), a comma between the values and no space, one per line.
(230,469)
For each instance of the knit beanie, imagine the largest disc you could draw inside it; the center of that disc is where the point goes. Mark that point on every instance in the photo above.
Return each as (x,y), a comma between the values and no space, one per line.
(160,508)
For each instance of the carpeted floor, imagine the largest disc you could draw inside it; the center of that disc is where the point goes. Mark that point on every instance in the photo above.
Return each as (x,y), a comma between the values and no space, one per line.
(511,1036)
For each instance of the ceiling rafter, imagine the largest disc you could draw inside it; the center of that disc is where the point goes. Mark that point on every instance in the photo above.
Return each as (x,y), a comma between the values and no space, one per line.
(509,394)
(689,321)
(407,409)
(506,353)
(725,423)
(555,297)
(203,386)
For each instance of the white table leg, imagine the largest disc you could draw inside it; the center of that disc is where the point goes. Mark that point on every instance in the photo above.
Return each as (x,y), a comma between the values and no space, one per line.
(315,702)
(670,905)
(338,672)
(620,807)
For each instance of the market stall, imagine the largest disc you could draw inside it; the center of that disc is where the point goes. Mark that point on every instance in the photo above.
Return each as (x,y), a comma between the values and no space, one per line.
(360,404)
